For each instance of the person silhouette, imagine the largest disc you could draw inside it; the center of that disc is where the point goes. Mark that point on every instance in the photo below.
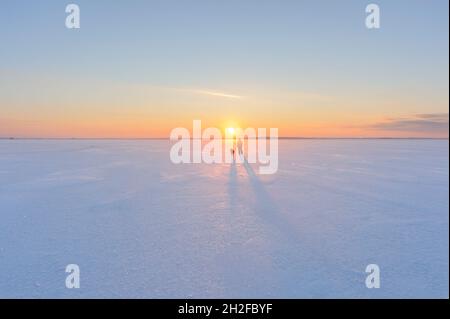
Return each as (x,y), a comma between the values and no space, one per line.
(233,150)
(239,146)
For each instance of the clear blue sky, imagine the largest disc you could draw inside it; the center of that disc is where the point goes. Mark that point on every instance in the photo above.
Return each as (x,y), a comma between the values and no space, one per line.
(271,51)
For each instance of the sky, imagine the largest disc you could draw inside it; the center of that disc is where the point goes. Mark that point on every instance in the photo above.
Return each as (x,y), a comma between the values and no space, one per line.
(138,69)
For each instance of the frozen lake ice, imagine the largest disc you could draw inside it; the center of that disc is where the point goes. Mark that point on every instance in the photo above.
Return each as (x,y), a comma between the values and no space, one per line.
(140,226)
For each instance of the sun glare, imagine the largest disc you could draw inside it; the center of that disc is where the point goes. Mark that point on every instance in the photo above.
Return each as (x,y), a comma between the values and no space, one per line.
(230,131)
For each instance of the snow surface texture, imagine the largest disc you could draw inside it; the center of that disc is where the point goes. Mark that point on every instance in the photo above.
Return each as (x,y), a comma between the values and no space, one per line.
(140,226)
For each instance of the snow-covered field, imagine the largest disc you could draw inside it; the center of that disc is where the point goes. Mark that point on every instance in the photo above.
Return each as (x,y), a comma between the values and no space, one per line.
(140,226)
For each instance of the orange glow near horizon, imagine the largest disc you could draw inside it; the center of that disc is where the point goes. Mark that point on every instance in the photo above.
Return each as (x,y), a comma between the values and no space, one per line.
(101,109)
(160,128)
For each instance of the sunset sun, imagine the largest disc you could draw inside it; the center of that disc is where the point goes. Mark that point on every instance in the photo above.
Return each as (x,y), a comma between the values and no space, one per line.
(230,131)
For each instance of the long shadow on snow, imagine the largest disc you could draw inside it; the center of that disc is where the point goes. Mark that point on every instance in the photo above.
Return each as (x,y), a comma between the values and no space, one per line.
(266,208)
(232,188)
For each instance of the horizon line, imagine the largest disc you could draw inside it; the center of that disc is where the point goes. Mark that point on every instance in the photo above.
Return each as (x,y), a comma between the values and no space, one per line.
(191,138)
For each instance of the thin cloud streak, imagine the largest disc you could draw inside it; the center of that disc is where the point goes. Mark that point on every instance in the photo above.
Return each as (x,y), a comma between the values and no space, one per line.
(213,93)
